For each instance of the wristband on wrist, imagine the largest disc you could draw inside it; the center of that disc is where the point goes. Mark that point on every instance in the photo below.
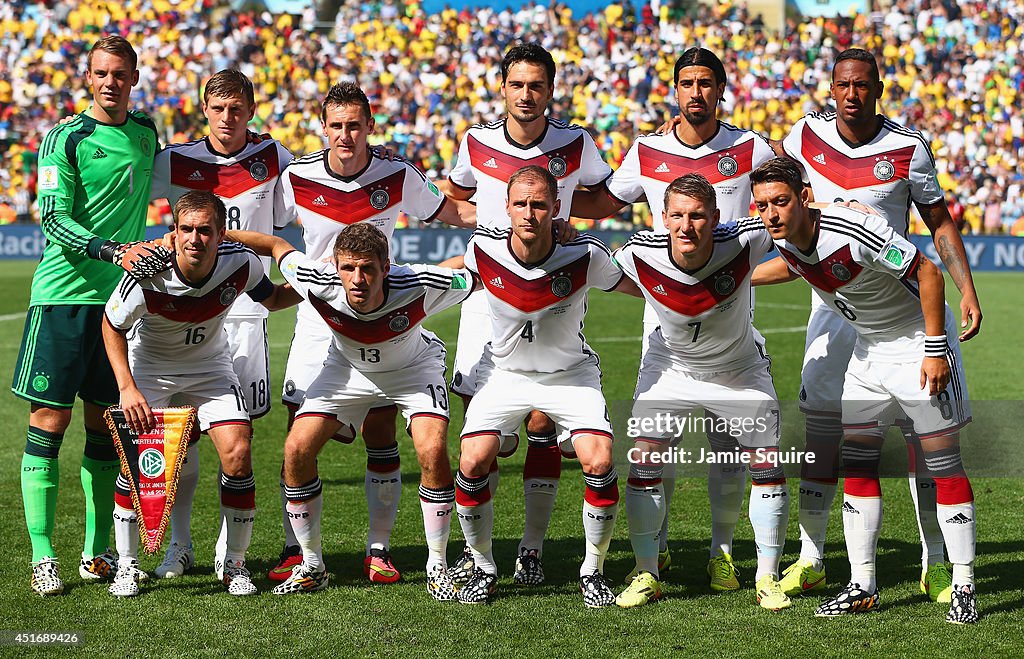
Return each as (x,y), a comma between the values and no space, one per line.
(935,346)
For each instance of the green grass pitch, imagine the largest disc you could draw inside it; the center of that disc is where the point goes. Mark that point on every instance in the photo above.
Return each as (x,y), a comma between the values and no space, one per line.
(194,616)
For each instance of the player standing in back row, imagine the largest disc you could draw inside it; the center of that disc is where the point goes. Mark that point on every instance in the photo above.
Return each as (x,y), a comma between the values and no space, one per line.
(488,156)
(854,154)
(94,173)
(725,155)
(243,175)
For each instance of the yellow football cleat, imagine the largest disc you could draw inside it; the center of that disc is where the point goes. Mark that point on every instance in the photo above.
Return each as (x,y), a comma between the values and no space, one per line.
(801,577)
(937,583)
(770,595)
(643,589)
(723,574)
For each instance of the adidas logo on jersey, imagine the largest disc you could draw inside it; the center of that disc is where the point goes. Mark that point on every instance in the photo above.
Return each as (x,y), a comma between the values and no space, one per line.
(820,158)
(170,307)
(497,282)
(847,508)
(100,153)
(491,164)
(959,518)
(320,201)
(660,289)
(661,169)
(196,176)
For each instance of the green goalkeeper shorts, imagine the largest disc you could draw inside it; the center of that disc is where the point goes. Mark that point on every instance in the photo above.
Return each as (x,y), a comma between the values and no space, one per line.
(62,356)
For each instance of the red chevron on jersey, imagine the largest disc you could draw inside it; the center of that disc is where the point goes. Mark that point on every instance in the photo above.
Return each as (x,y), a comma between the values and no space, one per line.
(851,173)
(716,167)
(349,207)
(694,299)
(185,309)
(561,161)
(830,273)
(225,181)
(381,329)
(529,295)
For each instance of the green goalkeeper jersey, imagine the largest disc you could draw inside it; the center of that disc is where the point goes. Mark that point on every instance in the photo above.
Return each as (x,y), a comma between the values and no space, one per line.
(93,186)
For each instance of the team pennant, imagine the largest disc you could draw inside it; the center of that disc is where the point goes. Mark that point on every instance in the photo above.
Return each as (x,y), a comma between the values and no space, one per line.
(152,463)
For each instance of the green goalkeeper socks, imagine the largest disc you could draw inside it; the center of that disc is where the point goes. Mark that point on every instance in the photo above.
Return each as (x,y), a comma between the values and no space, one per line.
(99,471)
(39,478)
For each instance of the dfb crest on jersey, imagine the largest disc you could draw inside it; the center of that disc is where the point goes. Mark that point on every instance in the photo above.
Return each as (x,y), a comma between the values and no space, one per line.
(399,324)
(379,199)
(725,285)
(557,166)
(259,171)
(228,295)
(884,170)
(841,272)
(561,286)
(728,166)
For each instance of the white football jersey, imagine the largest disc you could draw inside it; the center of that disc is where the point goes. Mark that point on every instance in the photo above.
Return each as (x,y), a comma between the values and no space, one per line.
(726,160)
(488,157)
(390,337)
(887,173)
(537,310)
(862,270)
(325,203)
(703,315)
(244,181)
(182,324)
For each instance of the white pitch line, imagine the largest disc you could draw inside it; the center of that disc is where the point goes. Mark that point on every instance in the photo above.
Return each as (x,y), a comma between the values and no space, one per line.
(627,339)
(12,316)
(780,305)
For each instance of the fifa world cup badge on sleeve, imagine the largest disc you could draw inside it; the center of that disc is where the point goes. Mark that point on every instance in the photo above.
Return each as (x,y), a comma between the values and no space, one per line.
(152,461)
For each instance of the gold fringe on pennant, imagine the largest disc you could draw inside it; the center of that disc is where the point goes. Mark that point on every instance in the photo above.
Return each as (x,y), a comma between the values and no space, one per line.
(172,487)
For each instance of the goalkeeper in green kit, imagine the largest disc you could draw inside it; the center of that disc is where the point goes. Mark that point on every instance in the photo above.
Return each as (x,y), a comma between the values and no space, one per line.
(94,176)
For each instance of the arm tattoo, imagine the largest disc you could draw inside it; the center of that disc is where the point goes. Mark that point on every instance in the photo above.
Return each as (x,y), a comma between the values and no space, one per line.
(953,262)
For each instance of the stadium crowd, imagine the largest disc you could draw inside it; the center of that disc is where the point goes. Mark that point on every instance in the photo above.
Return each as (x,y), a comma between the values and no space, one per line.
(952,70)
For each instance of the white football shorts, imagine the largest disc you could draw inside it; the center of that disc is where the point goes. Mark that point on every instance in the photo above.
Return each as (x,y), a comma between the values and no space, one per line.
(250,359)
(474,335)
(744,399)
(573,399)
(881,393)
(341,391)
(215,394)
(827,352)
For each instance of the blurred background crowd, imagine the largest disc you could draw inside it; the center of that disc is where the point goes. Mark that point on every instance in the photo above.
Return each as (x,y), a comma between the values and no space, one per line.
(952,70)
